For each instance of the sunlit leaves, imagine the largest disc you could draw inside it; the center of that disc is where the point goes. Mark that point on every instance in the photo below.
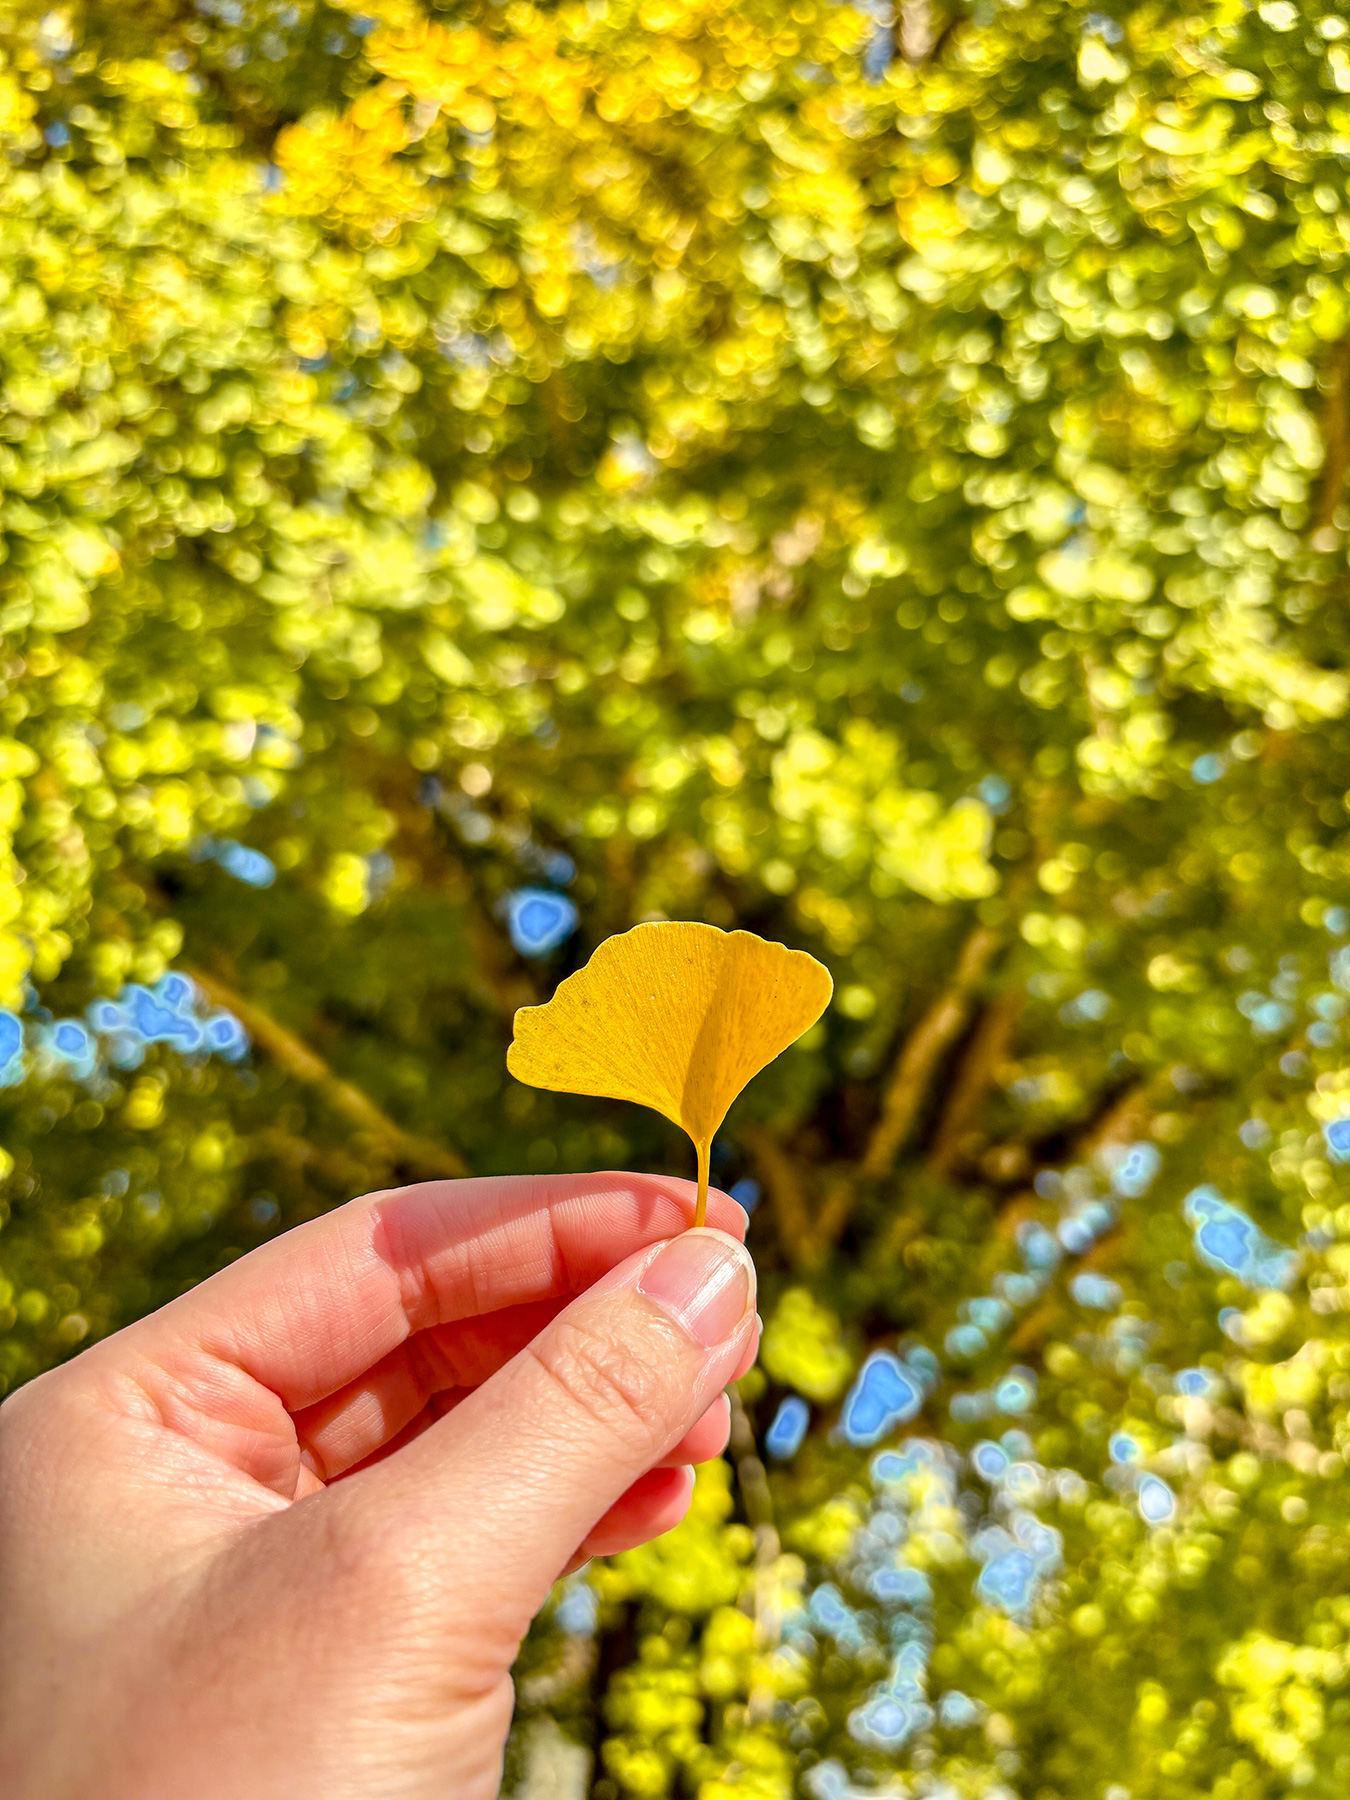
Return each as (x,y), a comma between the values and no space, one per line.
(746,465)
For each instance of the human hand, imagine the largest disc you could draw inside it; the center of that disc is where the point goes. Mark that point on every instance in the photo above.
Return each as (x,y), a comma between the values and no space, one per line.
(286,1534)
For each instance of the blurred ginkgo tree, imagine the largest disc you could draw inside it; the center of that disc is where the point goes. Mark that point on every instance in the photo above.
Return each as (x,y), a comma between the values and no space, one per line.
(478,476)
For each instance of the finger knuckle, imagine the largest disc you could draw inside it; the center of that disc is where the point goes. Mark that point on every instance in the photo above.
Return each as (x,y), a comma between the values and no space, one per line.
(614,1385)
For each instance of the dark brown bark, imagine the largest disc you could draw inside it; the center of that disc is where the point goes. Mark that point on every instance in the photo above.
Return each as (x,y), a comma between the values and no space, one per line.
(922,1054)
(989,1047)
(783,1189)
(404,1150)
(1335,435)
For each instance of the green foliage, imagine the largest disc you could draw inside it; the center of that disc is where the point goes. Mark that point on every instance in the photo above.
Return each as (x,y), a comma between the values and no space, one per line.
(892,497)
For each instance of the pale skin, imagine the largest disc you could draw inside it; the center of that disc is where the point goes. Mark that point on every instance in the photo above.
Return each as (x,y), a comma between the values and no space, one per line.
(285,1535)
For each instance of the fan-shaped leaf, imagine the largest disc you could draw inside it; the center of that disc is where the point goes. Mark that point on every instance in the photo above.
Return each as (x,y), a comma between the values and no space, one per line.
(675,1016)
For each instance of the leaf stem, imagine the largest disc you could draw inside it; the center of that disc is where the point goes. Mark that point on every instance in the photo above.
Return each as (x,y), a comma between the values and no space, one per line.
(704,1159)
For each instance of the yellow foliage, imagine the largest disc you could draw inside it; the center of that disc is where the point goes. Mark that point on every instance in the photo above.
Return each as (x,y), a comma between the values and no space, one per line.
(1273,1387)
(17,108)
(861,813)
(803,1348)
(700,1565)
(441,67)
(344,169)
(1278,1705)
(827,1530)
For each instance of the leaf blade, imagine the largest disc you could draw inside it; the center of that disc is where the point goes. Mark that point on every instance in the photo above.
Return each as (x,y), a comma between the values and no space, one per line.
(677,1016)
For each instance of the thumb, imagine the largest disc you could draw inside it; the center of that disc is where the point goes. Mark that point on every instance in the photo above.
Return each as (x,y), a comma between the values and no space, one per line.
(500,1492)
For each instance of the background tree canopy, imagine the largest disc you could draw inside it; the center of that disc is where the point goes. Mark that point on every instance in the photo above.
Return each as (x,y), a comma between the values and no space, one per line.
(476,478)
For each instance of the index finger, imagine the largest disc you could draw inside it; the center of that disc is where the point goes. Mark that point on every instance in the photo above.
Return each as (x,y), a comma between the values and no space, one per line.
(320,1305)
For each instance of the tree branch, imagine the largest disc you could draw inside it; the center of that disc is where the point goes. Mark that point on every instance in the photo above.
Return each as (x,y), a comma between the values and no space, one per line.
(988,1049)
(416,1154)
(834,1215)
(1123,1120)
(783,1186)
(754,1486)
(917,36)
(906,1091)
(754,1483)
(303,1160)
(1121,1123)
(923,1051)
(1336,435)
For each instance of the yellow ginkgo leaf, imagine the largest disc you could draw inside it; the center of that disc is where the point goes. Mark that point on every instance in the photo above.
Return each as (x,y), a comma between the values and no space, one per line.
(675,1016)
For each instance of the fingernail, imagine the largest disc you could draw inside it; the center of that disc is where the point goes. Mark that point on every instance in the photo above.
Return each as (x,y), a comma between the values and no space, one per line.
(704,1280)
